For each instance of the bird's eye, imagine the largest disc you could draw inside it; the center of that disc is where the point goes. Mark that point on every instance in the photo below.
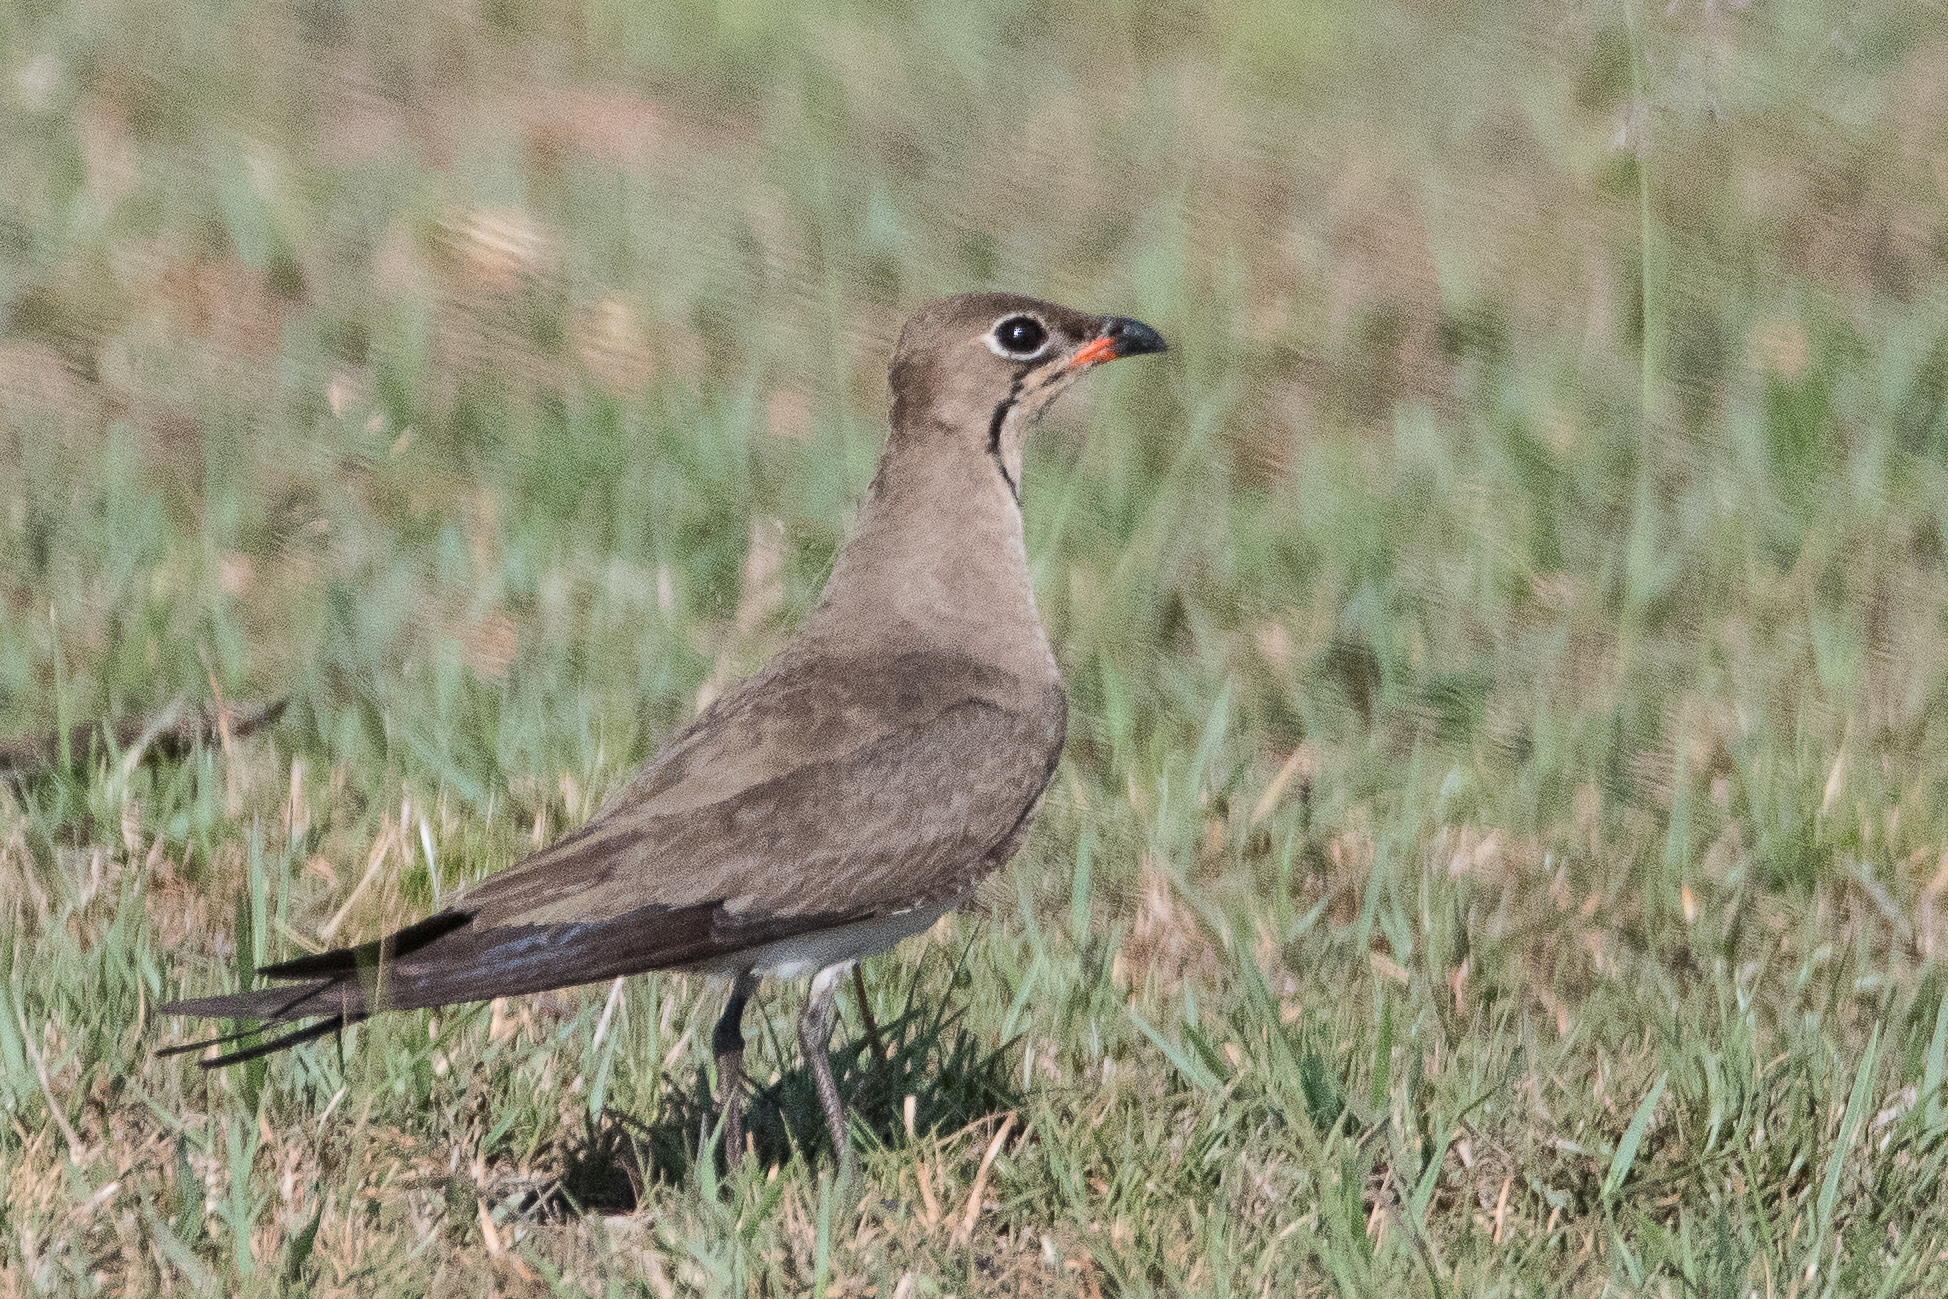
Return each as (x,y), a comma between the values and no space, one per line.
(1020,336)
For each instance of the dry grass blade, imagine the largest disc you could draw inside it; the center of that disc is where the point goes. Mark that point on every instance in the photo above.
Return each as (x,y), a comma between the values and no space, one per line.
(972,1212)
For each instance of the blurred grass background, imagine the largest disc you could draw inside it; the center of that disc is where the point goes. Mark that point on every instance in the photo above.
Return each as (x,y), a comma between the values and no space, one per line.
(1500,846)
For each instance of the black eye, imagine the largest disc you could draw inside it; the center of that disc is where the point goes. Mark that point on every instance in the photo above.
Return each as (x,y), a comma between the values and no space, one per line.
(1020,335)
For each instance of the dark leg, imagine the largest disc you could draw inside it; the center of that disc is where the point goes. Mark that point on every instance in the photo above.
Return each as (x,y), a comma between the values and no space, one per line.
(728,1042)
(866,1014)
(814,1037)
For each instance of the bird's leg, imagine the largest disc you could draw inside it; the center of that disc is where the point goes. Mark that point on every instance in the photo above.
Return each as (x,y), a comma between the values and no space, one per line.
(866,1014)
(814,1037)
(728,1042)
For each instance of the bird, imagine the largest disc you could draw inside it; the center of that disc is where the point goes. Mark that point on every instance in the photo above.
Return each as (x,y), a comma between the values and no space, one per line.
(855,789)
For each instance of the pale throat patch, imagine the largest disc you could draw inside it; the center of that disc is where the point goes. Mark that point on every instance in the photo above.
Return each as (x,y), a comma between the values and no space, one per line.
(1025,407)
(1013,442)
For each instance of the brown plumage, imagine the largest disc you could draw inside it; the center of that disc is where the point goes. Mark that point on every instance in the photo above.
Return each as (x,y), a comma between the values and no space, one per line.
(889,758)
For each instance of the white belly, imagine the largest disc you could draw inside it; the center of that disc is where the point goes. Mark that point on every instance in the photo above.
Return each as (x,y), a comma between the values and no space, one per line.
(793,958)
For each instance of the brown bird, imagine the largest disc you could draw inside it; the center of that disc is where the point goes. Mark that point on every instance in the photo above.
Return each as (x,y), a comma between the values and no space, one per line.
(854,790)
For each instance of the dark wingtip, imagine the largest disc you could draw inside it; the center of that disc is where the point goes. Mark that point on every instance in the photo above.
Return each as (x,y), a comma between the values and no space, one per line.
(184,1048)
(344,961)
(309,1033)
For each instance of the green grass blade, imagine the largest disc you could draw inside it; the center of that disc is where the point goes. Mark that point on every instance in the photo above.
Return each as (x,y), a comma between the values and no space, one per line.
(609,1029)
(1193,1071)
(1011,1022)
(1935,1071)
(822,1243)
(298,1252)
(180,1256)
(1633,1137)
(1079,889)
(1382,1082)
(1856,1114)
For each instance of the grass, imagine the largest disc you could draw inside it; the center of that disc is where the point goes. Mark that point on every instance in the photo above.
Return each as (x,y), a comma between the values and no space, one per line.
(1500,846)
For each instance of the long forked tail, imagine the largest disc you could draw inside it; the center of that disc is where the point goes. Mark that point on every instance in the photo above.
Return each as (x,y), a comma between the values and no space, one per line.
(447,958)
(248,1005)
(333,989)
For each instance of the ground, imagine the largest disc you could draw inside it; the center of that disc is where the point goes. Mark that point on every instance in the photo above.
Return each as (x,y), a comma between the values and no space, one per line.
(1500,847)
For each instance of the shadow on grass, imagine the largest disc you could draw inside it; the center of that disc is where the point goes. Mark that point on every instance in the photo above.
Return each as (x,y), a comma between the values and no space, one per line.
(928,1053)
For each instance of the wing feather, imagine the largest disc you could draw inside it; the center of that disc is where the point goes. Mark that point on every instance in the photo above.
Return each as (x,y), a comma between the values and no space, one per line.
(861,786)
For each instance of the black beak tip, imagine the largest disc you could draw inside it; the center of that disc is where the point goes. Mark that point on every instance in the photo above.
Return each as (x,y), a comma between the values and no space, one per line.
(1133,337)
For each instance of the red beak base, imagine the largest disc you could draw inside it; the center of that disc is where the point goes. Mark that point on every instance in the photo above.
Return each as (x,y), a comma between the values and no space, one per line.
(1094,352)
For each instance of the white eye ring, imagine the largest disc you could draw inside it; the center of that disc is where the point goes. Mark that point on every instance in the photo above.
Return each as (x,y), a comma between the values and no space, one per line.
(995,345)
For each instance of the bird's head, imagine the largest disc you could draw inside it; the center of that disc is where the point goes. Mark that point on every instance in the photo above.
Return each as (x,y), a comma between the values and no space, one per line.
(983,366)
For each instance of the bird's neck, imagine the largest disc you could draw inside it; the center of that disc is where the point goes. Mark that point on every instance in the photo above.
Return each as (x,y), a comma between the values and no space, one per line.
(936,561)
